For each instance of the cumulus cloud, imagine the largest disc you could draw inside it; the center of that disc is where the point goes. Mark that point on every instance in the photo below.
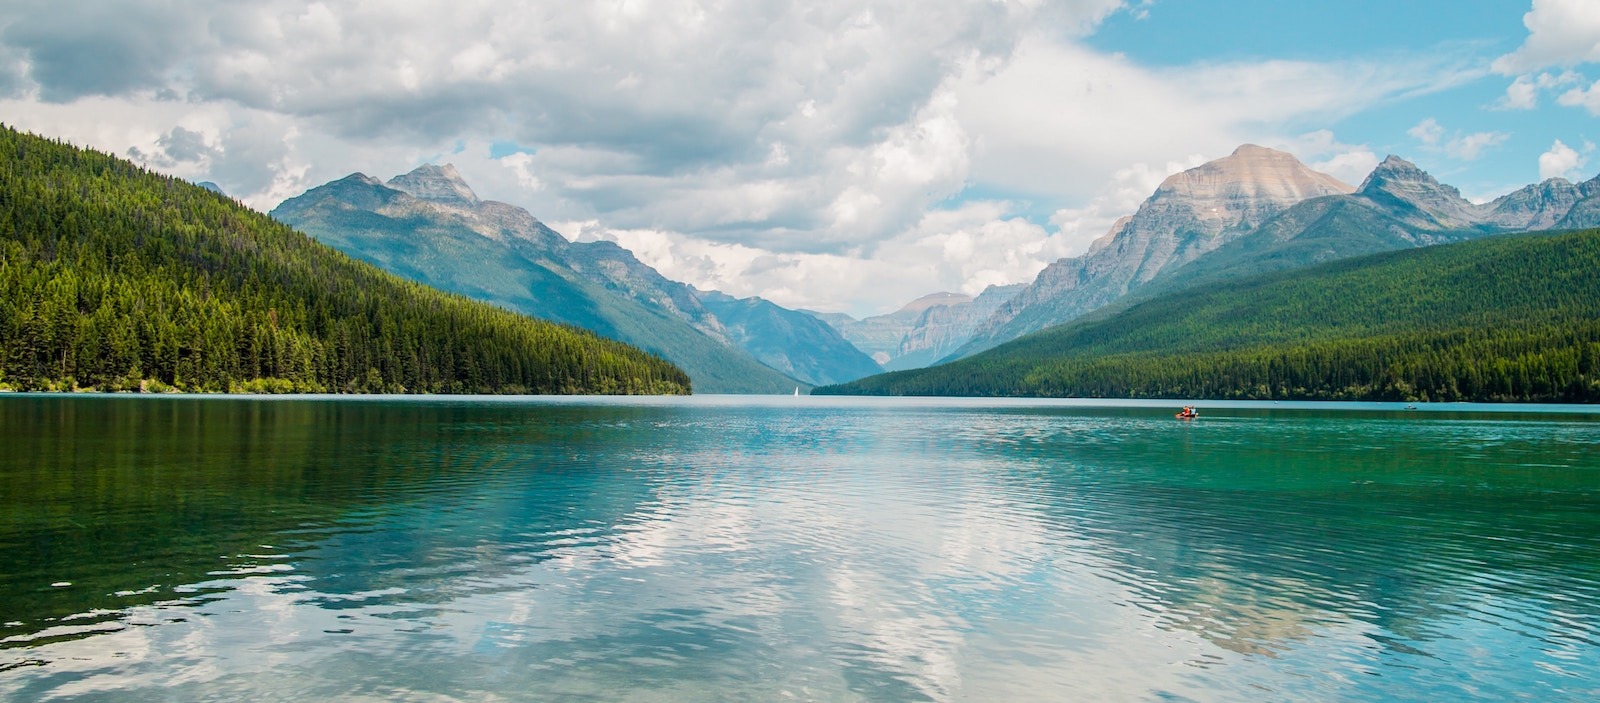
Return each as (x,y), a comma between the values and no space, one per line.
(1465,147)
(672,87)
(1063,119)
(960,249)
(1586,98)
(1561,161)
(1322,151)
(1427,131)
(1560,33)
(831,154)
(1129,186)
(1563,33)
(1523,93)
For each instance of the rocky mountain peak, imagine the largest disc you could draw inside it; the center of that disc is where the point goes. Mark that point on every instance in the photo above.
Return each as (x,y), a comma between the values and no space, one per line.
(1397,181)
(934,300)
(1396,175)
(1538,206)
(1590,187)
(439,184)
(1252,173)
(360,178)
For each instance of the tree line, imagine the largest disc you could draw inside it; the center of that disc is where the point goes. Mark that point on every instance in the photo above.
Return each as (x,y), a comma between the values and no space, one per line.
(115,278)
(1503,319)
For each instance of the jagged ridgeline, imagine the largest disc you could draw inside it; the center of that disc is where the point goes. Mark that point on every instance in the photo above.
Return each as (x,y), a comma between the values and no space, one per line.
(1506,318)
(115,278)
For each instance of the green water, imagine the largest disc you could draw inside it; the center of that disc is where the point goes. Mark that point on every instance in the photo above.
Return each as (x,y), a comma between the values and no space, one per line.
(721,548)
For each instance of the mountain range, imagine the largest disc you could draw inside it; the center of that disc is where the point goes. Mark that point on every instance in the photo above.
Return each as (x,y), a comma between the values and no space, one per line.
(1507,318)
(922,331)
(428,225)
(1259,210)
(1255,211)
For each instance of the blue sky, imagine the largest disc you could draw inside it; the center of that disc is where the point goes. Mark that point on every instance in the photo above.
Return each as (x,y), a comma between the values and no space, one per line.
(832,154)
(1176,33)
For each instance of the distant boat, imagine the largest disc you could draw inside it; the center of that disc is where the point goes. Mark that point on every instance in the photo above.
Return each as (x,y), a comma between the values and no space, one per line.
(797,391)
(1188,413)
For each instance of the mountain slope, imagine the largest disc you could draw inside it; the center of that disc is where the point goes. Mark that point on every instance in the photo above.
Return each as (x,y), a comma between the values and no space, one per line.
(1191,214)
(942,329)
(793,342)
(922,331)
(880,336)
(1398,207)
(1504,318)
(501,254)
(115,278)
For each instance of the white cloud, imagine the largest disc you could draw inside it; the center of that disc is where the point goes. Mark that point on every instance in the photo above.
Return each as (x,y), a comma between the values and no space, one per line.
(1560,33)
(1523,93)
(1464,147)
(1471,146)
(1062,119)
(835,154)
(1561,161)
(1129,186)
(1322,151)
(963,249)
(1587,98)
(1427,131)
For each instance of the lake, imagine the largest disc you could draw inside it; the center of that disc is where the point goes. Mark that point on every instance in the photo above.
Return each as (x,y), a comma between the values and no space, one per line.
(783,548)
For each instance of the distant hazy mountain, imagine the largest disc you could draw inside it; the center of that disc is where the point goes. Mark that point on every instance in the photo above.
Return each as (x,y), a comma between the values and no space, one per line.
(1260,210)
(942,329)
(923,330)
(790,341)
(429,226)
(1191,214)
(1508,318)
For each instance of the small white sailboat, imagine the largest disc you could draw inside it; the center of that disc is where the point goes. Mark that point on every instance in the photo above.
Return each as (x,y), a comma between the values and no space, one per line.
(797,391)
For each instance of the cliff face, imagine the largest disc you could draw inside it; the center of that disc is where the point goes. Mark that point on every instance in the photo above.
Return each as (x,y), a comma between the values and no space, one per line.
(880,336)
(922,331)
(941,329)
(1191,214)
(1534,207)
(1586,212)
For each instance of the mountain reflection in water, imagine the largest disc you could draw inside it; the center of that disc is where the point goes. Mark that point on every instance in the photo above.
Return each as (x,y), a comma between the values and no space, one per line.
(756,548)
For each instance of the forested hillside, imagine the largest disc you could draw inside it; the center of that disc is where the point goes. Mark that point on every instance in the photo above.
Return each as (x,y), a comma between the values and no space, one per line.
(1508,318)
(501,254)
(114,278)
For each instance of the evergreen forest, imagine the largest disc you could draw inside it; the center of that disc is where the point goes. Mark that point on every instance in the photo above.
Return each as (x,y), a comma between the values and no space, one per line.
(113,278)
(1512,318)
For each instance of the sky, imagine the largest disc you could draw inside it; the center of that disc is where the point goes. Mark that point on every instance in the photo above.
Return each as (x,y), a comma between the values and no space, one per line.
(836,156)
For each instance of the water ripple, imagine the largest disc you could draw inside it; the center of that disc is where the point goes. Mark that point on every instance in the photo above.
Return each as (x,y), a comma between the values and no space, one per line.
(710,549)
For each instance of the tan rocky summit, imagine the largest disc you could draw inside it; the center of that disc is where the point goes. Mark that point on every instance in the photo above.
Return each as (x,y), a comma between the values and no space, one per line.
(1190,214)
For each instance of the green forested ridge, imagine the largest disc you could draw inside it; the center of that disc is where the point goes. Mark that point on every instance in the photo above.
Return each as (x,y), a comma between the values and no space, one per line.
(521,272)
(114,278)
(1507,318)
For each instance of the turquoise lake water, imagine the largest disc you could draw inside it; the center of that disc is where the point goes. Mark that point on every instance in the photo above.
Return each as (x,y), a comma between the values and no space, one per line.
(780,548)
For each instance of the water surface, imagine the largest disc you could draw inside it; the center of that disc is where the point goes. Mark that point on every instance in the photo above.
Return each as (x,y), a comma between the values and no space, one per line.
(717,548)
